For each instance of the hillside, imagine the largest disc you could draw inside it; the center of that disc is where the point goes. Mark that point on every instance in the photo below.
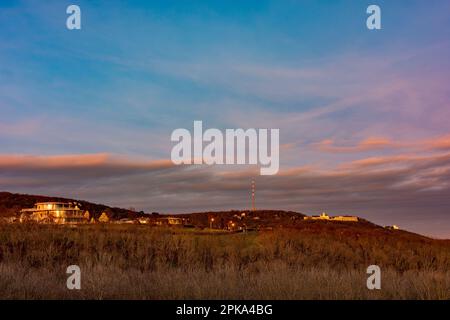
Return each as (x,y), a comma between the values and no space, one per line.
(252,219)
(12,203)
(268,220)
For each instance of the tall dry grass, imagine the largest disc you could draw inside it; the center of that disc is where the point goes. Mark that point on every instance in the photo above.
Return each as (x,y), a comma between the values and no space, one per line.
(139,262)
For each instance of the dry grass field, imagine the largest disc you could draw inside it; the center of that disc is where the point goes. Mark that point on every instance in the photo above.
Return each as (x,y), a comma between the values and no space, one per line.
(315,261)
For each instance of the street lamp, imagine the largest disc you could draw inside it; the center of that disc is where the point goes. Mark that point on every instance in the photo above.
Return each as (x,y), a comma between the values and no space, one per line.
(211,222)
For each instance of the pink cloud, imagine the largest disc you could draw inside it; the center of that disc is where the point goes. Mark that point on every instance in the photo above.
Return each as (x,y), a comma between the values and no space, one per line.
(440,143)
(372,143)
(378,143)
(72,161)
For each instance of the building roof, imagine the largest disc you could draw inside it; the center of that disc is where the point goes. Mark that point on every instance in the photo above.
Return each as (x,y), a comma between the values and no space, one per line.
(54,202)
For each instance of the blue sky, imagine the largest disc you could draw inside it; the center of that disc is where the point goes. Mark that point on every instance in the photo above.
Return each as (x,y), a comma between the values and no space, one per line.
(137,70)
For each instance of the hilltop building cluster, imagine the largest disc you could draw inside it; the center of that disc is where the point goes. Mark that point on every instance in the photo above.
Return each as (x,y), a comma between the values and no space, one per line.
(72,213)
(326,217)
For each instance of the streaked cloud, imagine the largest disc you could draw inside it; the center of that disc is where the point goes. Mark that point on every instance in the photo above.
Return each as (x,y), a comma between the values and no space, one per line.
(371,143)
(440,143)
(75,168)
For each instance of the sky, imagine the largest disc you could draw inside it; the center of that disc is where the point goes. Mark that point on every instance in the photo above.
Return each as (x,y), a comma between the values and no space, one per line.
(363,114)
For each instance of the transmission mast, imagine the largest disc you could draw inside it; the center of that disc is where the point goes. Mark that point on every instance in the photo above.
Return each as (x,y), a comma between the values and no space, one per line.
(253,195)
